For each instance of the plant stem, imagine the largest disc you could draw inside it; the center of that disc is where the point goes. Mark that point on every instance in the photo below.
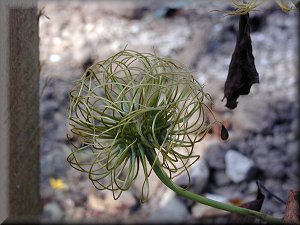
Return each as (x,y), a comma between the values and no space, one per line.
(203,200)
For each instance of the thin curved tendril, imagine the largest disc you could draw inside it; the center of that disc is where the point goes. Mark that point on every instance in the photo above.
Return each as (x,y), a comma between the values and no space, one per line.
(128,105)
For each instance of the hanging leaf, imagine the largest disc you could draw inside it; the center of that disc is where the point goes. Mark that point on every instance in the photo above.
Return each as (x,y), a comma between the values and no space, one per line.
(242,71)
(254,205)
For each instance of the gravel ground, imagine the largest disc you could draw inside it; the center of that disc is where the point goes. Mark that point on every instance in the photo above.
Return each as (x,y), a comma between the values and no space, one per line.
(263,128)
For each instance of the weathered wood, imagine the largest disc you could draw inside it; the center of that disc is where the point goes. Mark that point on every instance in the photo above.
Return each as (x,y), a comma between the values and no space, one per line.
(3,118)
(20,112)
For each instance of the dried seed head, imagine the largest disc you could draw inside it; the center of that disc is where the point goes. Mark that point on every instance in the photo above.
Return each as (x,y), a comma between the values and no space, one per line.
(132,104)
(242,7)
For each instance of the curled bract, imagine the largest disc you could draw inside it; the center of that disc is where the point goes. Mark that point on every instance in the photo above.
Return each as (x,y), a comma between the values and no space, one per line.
(242,7)
(130,105)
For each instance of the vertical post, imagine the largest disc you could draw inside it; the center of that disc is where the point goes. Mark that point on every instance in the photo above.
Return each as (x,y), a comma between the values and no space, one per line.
(20,109)
(3,117)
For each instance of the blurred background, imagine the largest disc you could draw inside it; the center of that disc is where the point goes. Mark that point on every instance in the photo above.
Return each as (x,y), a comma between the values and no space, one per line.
(263,129)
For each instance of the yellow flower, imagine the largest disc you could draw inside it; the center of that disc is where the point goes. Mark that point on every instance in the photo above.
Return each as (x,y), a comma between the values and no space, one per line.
(57,184)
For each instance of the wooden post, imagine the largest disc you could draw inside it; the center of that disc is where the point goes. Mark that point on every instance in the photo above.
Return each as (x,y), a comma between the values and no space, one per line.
(19,112)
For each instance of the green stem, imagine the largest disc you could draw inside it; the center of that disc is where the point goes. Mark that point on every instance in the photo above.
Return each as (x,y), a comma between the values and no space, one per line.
(203,200)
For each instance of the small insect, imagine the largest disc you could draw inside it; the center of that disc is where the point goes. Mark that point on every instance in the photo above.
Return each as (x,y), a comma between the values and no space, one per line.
(224,133)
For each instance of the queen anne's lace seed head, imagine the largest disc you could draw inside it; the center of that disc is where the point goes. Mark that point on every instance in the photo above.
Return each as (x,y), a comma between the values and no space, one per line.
(132,103)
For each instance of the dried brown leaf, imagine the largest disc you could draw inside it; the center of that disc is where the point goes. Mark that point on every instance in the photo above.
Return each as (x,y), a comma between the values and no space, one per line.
(254,205)
(291,213)
(242,71)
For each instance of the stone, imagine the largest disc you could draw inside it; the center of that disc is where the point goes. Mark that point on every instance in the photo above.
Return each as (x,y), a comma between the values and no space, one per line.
(129,10)
(96,203)
(78,214)
(295,125)
(247,118)
(54,163)
(48,109)
(123,203)
(238,166)
(201,210)
(293,149)
(279,140)
(273,164)
(53,212)
(169,210)
(214,157)
(220,178)
(228,191)
(193,49)
(60,132)
(103,202)
(199,174)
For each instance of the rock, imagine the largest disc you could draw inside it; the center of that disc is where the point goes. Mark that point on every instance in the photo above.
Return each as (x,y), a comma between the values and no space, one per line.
(60,132)
(193,49)
(170,210)
(78,214)
(68,203)
(53,212)
(243,146)
(96,203)
(48,109)
(216,197)
(279,140)
(129,9)
(102,201)
(214,157)
(295,125)
(154,185)
(201,210)
(254,144)
(292,149)
(220,178)
(273,164)
(123,203)
(79,198)
(238,166)
(54,163)
(247,118)
(228,191)
(199,174)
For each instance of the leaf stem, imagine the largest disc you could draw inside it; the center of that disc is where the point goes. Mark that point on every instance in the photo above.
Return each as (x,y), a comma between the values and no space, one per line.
(161,174)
